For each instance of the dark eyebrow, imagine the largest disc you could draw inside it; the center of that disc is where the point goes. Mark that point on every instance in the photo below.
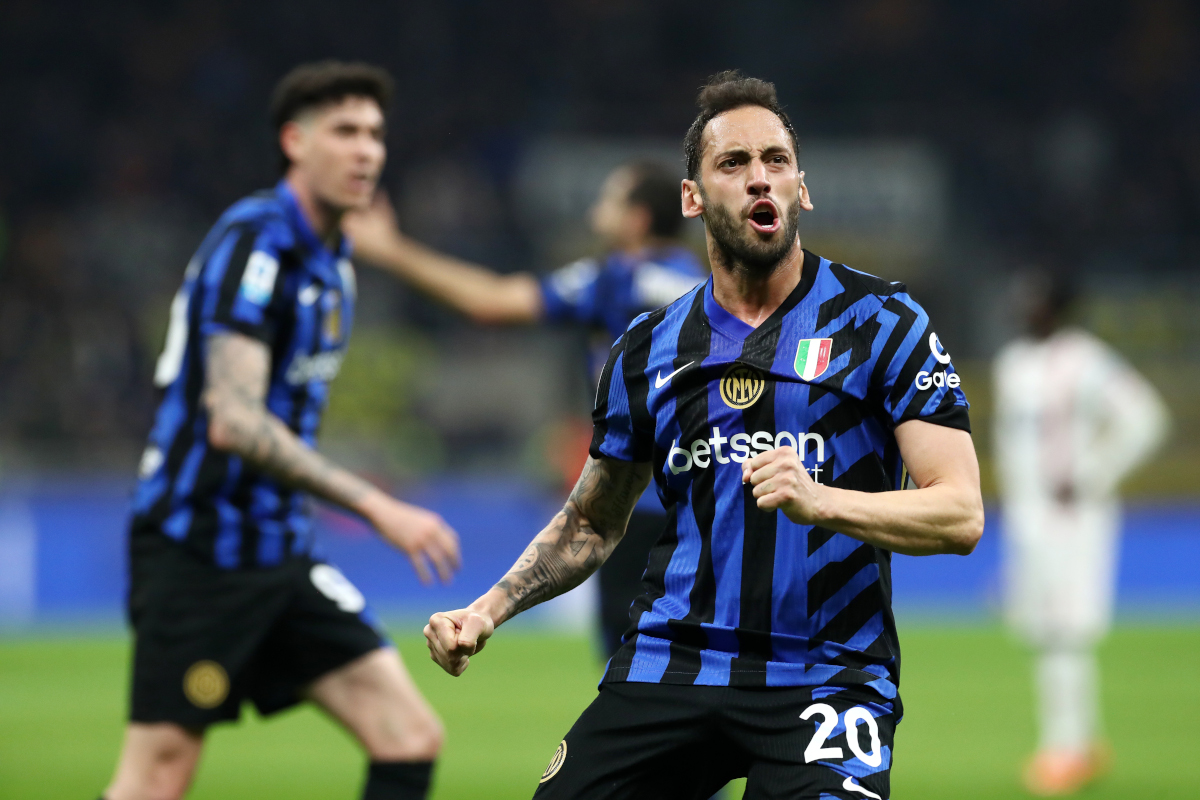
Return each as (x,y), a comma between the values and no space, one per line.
(737,150)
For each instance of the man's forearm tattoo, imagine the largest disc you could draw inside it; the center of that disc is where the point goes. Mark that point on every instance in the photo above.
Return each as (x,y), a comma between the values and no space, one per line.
(580,537)
(237,373)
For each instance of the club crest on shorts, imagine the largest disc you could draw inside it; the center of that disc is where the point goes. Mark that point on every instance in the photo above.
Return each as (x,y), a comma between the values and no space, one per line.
(206,684)
(812,358)
(741,386)
(560,755)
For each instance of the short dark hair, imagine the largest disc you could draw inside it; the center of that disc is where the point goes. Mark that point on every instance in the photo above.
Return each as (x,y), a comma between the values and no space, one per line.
(726,91)
(656,188)
(320,83)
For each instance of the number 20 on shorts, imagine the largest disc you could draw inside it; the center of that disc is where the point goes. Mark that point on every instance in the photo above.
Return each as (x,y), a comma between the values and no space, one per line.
(817,750)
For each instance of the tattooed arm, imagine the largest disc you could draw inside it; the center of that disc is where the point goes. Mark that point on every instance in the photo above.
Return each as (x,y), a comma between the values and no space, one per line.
(237,372)
(573,546)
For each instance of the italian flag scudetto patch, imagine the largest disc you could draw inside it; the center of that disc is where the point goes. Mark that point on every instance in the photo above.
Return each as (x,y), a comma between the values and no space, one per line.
(812,357)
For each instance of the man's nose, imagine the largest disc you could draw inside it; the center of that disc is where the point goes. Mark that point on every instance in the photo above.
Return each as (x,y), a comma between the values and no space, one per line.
(369,148)
(758,181)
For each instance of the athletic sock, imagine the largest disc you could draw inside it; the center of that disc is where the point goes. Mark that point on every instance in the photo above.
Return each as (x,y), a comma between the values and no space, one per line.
(1067,685)
(398,780)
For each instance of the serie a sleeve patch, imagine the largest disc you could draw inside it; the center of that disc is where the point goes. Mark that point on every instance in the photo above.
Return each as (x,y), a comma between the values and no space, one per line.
(258,280)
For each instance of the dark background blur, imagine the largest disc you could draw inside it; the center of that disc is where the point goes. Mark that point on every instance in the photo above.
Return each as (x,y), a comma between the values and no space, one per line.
(949,145)
(1052,132)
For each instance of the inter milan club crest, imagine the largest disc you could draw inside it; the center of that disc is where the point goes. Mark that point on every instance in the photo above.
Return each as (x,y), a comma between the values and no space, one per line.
(741,386)
(333,316)
(206,684)
(560,755)
(812,358)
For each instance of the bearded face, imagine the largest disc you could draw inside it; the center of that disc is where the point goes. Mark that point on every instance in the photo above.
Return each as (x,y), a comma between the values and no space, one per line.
(751,235)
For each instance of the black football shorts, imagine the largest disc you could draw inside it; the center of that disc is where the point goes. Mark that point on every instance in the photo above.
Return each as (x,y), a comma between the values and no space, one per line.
(206,638)
(651,741)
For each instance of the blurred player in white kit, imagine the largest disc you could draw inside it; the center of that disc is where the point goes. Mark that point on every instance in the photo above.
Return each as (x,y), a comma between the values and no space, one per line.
(1073,418)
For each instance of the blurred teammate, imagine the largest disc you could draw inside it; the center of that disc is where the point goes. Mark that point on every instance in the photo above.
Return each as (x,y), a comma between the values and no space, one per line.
(637,216)
(1072,419)
(776,407)
(227,601)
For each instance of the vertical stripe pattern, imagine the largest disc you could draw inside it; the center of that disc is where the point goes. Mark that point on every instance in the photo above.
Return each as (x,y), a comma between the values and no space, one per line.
(739,596)
(260,273)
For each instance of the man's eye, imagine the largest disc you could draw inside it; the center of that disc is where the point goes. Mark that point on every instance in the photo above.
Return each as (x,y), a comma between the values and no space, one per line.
(729,162)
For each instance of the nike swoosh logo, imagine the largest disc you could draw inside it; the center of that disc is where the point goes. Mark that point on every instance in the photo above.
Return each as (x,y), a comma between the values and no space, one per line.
(309,294)
(850,786)
(660,381)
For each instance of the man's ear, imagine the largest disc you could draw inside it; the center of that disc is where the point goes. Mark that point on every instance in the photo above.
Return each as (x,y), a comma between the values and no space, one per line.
(691,199)
(805,202)
(291,140)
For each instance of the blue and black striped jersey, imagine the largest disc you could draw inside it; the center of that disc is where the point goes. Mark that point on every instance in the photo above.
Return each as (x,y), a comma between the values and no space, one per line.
(735,595)
(261,272)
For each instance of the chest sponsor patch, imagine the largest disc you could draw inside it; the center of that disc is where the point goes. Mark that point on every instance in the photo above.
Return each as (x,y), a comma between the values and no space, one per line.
(812,358)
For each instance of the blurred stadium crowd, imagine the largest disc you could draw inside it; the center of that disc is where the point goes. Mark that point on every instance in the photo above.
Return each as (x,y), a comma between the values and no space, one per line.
(1068,134)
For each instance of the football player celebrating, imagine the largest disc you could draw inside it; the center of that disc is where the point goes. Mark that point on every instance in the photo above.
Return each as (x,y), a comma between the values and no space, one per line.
(777,407)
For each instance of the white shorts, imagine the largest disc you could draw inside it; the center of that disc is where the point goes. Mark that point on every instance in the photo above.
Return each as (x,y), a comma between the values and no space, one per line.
(1060,570)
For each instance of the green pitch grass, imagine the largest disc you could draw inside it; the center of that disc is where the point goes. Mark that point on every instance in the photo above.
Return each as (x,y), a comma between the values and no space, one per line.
(967,728)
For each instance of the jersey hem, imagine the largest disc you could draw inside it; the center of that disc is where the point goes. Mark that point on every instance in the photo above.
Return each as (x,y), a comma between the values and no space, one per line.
(778,679)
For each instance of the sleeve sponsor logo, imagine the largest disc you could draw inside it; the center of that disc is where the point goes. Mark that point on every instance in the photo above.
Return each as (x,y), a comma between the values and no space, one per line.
(258,281)
(940,378)
(935,347)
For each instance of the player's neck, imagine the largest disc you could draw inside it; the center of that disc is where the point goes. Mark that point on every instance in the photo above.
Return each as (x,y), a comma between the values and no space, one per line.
(752,294)
(325,220)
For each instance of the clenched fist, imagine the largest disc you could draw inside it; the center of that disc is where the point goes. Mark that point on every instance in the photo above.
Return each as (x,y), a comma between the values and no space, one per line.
(782,483)
(454,636)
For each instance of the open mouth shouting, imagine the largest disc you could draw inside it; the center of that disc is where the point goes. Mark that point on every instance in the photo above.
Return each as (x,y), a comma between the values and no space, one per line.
(764,217)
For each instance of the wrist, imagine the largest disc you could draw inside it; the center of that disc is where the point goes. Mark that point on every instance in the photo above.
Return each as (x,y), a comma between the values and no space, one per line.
(492,604)
(825,505)
(371,504)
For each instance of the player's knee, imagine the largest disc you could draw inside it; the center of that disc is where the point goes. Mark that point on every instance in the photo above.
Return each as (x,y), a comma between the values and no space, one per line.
(166,775)
(415,735)
(428,738)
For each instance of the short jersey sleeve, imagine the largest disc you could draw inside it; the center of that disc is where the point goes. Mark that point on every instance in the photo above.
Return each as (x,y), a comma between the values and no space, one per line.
(914,377)
(613,431)
(571,293)
(240,284)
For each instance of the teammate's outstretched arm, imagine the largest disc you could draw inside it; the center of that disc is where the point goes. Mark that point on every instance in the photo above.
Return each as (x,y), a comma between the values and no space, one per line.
(237,373)
(573,546)
(471,289)
(943,515)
